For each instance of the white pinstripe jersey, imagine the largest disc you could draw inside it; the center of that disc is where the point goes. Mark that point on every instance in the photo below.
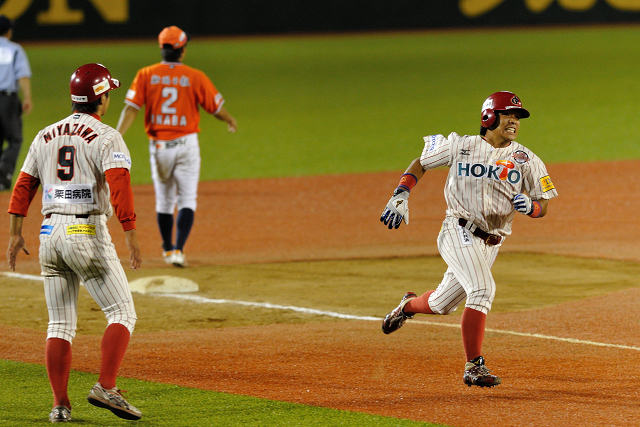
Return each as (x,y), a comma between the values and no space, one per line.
(70,158)
(482,179)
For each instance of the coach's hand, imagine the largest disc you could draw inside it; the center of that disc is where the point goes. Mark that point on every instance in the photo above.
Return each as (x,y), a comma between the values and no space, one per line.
(16,244)
(396,210)
(16,241)
(523,204)
(135,257)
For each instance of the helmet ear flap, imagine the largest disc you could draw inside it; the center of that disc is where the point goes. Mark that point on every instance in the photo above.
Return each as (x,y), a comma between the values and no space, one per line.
(488,118)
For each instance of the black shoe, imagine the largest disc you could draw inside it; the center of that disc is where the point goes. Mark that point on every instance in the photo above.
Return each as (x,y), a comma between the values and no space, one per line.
(394,320)
(475,373)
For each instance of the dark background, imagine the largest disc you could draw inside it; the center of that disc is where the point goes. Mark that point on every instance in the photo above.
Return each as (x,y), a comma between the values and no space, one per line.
(236,17)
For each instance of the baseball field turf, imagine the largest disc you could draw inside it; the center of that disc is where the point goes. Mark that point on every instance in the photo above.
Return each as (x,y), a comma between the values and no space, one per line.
(342,104)
(314,105)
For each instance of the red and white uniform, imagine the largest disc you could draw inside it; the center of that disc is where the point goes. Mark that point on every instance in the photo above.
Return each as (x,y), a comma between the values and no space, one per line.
(172,94)
(82,165)
(481,183)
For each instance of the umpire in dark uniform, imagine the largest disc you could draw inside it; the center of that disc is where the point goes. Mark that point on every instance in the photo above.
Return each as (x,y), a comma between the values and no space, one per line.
(15,76)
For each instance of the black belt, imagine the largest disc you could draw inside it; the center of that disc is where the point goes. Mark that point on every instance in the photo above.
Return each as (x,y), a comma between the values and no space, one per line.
(85,216)
(489,239)
(8,93)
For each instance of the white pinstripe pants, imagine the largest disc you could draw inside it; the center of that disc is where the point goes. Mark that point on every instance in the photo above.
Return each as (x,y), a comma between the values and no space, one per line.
(67,259)
(469,274)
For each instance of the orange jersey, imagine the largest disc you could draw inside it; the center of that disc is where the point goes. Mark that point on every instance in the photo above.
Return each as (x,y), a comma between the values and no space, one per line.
(172,93)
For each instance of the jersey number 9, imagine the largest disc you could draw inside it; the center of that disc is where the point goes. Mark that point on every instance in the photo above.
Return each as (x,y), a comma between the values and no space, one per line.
(66,157)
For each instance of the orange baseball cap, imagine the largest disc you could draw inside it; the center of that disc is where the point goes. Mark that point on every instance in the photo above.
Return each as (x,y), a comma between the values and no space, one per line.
(173,36)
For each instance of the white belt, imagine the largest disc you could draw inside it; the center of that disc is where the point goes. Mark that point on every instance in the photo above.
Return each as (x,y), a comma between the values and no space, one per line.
(165,145)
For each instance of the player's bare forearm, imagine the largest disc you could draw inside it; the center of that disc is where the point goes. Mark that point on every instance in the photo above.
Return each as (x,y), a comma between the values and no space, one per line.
(16,241)
(135,256)
(127,117)
(224,115)
(416,169)
(544,204)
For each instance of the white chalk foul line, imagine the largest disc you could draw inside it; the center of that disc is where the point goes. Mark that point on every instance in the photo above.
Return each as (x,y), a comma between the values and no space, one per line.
(204,300)
(539,336)
(23,276)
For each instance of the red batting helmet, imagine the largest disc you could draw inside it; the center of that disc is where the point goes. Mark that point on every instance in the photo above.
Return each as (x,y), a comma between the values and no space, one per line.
(500,101)
(90,82)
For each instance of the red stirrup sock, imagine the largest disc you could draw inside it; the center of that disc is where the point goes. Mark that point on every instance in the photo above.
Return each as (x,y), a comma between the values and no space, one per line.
(114,345)
(473,323)
(57,356)
(419,305)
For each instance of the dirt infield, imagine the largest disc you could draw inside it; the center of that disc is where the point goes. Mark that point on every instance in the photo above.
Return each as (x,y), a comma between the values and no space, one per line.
(416,372)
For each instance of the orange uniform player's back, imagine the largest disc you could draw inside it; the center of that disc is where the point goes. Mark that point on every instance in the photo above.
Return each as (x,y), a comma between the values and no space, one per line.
(172,93)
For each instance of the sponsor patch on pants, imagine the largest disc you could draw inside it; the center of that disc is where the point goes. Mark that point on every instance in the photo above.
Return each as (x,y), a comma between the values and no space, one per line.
(465,236)
(81,229)
(46,229)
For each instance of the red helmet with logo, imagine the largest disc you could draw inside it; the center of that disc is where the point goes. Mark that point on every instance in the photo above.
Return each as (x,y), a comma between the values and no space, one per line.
(90,82)
(500,101)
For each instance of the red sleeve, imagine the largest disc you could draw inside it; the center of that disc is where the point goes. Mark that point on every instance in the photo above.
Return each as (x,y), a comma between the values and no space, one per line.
(119,182)
(23,193)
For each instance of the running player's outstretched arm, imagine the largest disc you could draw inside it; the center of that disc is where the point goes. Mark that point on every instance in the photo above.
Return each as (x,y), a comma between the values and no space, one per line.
(397,209)
(526,206)
(543,203)
(416,169)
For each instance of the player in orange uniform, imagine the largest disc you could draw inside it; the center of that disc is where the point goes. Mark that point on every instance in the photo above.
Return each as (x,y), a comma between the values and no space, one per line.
(172,93)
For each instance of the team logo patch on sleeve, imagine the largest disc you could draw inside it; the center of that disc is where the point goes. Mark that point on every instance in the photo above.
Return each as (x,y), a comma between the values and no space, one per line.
(431,142)
(546,183)
(121,157)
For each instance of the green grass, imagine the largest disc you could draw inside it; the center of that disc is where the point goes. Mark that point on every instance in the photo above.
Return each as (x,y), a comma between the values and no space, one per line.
(28,396)
(314,105)
(27,401)
(334,283)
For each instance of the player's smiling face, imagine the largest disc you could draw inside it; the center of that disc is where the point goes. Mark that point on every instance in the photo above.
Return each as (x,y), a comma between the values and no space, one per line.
(509,125)
(506,131)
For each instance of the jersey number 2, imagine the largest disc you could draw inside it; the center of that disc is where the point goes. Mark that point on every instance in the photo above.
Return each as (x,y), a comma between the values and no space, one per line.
(171,93)
(66,157)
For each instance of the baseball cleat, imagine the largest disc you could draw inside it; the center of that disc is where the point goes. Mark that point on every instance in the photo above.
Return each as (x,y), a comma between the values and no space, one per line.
(114,401)
(394,320)
(169,256)
(60,414)
(178,259)
(475,373)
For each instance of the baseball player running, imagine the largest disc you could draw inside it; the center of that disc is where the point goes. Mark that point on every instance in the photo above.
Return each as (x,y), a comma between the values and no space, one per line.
(82,165)
(172,93)
(491,177)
